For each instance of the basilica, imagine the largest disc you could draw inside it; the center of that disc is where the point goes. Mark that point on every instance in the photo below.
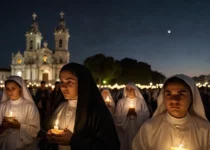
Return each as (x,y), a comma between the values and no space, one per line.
(38,62)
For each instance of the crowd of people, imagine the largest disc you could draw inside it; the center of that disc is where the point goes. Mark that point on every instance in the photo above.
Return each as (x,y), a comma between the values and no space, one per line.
(90,118)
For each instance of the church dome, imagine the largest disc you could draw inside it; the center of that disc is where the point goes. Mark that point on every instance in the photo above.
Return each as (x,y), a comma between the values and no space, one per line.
(62,24)
(34,28)
(18,54)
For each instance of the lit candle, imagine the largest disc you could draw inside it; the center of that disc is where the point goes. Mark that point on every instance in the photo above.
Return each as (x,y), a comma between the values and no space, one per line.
(10,117)
(178,148)
(56,130)
(131,105)
(56,125)
(11,114)
(108,101)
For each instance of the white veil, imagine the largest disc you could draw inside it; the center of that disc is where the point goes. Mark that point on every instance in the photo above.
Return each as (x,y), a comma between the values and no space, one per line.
(197,108)
(25,93)
(137,92)
(110,96)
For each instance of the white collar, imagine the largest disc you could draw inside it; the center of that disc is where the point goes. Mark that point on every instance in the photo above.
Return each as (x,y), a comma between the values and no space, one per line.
(72,103)
(131,99)
(16,102)
(177,121)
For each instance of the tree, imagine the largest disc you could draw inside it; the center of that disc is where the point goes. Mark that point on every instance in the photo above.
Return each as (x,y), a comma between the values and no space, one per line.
(134,71)
(201,78)
(157,77)
(102,67)
(121,72)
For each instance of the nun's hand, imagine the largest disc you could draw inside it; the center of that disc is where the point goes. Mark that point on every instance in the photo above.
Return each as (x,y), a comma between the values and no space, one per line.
(108,105)
(64,138)
(5,123)
(131,112)
(15,124)
(50,137)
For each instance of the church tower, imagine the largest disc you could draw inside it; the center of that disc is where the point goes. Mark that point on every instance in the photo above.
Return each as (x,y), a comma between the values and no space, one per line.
(61,41)
(33,36)
(61,35)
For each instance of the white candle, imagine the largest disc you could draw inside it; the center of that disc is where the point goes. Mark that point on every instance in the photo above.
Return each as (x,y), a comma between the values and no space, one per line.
(107,99)
(11,114)
(131,104)
(178,148)
(56,125)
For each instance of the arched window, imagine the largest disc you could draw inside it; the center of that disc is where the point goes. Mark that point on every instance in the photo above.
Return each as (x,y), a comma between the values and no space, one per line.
(38,46)
(60,43)
(44,58)
(31,44)
(19,61)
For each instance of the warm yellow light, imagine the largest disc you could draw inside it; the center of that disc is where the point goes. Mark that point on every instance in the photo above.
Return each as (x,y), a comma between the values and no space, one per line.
(19,61)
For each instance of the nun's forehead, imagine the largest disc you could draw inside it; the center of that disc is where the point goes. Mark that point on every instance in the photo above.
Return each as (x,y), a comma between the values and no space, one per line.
(176,80)
(12,81)
(176,85)
(105,90)
(130,86)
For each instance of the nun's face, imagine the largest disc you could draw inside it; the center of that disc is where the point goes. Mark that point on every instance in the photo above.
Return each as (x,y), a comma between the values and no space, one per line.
(69,85)
(130,92)
(13,90)
(105,93)
(177,99)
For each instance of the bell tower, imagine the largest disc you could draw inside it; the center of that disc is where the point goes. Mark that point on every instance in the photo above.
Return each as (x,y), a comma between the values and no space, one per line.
(61,35)
(33,36)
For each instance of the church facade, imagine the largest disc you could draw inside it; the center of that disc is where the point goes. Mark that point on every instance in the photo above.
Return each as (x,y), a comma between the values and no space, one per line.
(39,63)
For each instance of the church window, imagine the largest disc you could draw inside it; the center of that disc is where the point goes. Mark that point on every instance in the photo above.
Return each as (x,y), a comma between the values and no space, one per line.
(19,73)
(44,58)
(19,61)
(38,46)
(31,43)
(60,43)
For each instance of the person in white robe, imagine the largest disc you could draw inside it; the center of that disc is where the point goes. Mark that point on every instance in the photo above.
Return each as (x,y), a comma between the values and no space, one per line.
(20,133)
(65,115)
(179,122)
(131,113)
(105,92)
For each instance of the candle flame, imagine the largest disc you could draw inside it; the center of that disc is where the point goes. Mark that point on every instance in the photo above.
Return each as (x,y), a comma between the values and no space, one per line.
(10,113)
(107,99)
(131,104)
(180,146)
(56,123)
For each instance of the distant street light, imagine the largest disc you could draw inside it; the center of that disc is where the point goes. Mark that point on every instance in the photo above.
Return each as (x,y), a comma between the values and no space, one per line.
(104,81)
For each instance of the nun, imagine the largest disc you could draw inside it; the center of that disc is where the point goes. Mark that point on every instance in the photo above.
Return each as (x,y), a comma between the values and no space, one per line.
(19,117)
(84,118)
(105,92)
(179,122)
(131,113)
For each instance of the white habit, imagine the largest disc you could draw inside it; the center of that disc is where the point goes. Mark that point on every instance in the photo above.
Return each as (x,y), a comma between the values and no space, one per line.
(112,103)
(164,131)
(26,113)
(128,127)
(66,113)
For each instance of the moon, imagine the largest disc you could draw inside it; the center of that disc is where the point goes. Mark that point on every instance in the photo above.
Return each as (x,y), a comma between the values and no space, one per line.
(169,31)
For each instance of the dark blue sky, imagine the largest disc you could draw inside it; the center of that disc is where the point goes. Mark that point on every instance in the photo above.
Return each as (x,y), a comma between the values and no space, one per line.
(118,28)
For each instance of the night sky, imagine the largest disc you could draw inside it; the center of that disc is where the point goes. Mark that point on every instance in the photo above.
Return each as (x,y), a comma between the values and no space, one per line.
(118,28)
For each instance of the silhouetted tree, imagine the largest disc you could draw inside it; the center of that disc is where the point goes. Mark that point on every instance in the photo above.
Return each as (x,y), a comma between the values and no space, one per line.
(103,68)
